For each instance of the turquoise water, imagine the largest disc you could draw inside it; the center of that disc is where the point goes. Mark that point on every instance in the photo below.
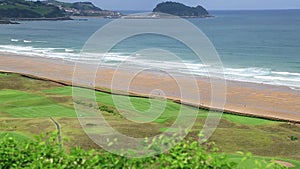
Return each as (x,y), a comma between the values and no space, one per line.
(254,46)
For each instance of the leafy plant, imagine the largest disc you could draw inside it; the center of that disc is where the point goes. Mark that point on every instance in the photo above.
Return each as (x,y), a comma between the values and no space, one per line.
(45,152)
(106,109)
(293,138)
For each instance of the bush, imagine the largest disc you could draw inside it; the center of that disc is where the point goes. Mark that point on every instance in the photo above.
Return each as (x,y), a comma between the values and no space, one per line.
(45,152)
(106,109)
(293,138)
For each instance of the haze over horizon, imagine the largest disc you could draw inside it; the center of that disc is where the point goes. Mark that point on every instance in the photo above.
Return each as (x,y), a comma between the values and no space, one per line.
(208,4)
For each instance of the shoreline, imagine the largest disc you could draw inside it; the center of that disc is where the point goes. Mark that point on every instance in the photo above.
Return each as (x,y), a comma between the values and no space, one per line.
(248,99)
(290,83)
(40,19)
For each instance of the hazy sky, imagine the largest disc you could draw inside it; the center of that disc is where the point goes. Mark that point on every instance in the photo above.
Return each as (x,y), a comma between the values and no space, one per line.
(209,4)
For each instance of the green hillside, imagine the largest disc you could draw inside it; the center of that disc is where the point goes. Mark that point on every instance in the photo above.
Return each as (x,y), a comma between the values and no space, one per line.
(50,9)
(28,9)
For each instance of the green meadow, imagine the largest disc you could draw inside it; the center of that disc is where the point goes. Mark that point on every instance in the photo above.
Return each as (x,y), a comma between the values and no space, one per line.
(26,106)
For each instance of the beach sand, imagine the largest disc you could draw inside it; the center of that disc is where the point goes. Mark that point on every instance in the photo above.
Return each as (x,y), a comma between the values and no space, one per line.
(258,100)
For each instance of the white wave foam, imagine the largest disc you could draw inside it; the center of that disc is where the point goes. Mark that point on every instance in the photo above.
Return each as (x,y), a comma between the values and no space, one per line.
(247,72)
(31,51)
(287,73)
(40,41)
(266,78)
(295,88)
(252,74)
(69,50)
(14,40)
(26,41)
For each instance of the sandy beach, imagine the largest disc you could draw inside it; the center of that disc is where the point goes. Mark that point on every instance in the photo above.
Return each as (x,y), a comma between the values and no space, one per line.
(259,100)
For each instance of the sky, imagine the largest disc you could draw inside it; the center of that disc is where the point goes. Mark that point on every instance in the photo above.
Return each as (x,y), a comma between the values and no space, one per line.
(208,4)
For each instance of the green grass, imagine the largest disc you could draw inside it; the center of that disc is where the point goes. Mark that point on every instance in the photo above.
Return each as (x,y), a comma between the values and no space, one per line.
(238,119)
(29,98)
(3,74)
(42,111)
(66,90)
(26,105)
(250,162)
(242,139)
(140,106)
(171,109)
(12,96)
(247,120)
(170,129)
(18,136)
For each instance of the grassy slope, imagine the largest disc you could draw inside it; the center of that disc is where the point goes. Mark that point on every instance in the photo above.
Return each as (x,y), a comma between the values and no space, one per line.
(23,104)
(16,135)
(41,9)
(143,104)
(247,120)
(38,8)
(250,163)
(27,98)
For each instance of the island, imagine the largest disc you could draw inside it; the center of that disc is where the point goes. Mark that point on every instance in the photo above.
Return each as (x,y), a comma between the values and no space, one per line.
(49,10)
(181,10)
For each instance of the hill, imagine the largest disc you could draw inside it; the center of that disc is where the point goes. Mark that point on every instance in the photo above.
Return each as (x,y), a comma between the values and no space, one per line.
(19,9)
(179,9)
(28,9)
(82,9)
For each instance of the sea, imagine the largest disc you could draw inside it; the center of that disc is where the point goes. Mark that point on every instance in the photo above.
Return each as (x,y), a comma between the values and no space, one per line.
(254,46)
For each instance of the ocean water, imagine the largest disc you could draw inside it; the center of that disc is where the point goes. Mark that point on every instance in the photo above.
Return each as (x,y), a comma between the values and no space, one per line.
(254,46)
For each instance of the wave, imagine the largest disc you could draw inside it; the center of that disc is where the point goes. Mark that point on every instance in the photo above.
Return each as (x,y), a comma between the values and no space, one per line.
(265,76)
(27,41)
(41,52)
(39,41)
(69,50)
(247,72)
(287,73)
(250,74)
(14,40)
(295,88)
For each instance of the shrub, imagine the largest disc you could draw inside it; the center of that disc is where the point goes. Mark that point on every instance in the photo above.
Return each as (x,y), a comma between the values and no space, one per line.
(45,152)
(293,138)
(106,109)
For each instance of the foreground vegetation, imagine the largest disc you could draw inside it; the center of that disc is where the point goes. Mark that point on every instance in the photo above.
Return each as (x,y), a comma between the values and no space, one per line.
(26,105)
(46,152)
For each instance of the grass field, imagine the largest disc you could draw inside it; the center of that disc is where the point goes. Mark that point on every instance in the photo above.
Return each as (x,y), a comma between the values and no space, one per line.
(3,74)
(247,120)
(250,163)
(26,105)
(16,135)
